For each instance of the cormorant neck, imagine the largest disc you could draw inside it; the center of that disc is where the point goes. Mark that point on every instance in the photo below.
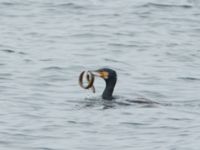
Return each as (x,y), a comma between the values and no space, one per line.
(108,91)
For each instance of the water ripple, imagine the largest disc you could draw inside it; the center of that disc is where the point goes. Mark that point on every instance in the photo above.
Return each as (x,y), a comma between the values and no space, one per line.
(158,5)
(153,46)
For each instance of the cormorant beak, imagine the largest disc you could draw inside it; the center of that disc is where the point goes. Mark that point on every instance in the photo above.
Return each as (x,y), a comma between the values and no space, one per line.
(102,74)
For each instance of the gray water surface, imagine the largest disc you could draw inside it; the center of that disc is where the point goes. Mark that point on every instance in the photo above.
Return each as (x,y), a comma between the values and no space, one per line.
(154,47)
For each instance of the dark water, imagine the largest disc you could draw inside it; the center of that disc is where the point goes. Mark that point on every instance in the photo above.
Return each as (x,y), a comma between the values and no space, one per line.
(154,47)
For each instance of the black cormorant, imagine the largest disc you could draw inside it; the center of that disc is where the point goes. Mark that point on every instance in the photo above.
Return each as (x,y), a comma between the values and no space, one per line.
(110,77)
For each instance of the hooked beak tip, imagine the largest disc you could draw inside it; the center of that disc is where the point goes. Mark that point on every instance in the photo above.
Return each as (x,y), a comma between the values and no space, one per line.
(102,74)
(96,73)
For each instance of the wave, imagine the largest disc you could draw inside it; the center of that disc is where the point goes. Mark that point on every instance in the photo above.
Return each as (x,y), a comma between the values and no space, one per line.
(166,5)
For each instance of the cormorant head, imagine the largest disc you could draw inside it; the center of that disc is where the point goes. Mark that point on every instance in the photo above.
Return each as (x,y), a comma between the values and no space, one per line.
(110,77)
(105,73)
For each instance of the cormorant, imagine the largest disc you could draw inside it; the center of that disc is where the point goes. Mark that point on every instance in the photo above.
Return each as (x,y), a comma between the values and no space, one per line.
(110,77)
